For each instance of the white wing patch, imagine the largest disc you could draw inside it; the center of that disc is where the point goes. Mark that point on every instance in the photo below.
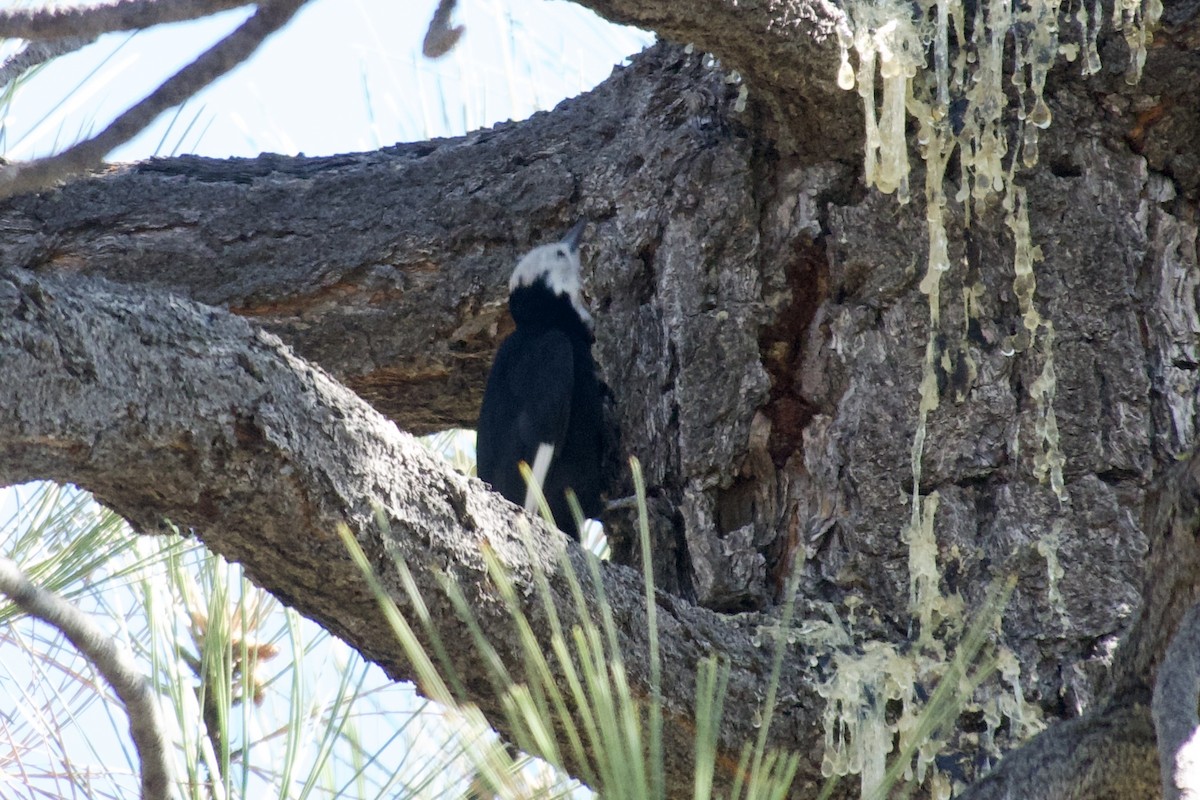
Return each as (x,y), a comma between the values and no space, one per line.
(541,465)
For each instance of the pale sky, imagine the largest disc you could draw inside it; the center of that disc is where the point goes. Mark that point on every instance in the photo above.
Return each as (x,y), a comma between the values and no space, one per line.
(345,75)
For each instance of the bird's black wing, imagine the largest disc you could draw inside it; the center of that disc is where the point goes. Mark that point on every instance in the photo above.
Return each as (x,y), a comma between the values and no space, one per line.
(527,403)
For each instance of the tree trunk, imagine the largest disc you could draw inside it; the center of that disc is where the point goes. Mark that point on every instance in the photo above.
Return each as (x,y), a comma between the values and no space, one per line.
(762,329)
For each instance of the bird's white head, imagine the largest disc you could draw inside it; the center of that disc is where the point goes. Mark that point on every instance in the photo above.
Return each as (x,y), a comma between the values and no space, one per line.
(558,266)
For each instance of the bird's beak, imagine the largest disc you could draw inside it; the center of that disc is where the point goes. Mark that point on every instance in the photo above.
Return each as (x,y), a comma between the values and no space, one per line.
(571,240)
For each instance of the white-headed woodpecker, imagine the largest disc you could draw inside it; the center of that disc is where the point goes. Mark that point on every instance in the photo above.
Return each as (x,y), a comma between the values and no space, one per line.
(542,401)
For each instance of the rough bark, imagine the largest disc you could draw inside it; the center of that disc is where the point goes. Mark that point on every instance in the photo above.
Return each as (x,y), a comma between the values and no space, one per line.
(1176,692)
(762,331)
(263,455)
(1111,751)
(388,268)
(782,49)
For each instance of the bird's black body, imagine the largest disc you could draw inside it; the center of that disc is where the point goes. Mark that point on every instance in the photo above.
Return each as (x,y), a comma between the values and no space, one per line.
(543,390)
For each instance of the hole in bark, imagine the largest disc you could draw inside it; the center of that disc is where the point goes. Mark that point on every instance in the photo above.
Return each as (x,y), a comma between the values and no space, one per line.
(1118,475)
(1065,168)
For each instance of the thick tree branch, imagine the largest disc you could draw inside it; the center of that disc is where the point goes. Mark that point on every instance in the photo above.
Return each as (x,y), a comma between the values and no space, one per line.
(1120,748)
(1110,753)
(1176,722)
(705,242)
(786,52)
(390,268)
(1172,522)
(112,662)
(169,410)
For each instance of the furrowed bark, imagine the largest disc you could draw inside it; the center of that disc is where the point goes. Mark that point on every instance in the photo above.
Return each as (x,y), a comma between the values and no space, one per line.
(170,411)
(762,327)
